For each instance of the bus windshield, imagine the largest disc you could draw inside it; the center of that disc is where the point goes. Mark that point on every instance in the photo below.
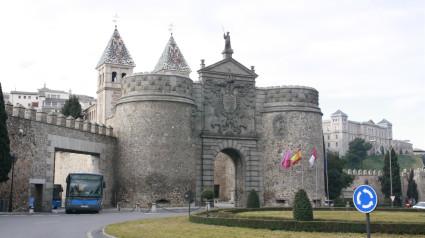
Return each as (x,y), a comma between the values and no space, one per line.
(85,186)
(57,192)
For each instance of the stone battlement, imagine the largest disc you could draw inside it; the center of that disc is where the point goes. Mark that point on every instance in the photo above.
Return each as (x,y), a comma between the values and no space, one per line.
(379,172)
(52,118)
(158,83)
(363,172)
(156,87)
(292,94)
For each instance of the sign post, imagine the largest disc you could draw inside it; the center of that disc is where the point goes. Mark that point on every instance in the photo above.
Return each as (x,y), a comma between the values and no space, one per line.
(365,200)
(189,196)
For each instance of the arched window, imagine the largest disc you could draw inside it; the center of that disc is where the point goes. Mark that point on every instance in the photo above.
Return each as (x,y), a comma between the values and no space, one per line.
(123,75)
(114,77)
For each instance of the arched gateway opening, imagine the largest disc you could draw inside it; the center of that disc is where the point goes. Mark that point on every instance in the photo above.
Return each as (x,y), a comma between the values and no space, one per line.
(228,178)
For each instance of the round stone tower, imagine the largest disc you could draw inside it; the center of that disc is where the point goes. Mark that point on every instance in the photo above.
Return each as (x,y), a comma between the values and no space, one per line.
(292,120)
(154,117)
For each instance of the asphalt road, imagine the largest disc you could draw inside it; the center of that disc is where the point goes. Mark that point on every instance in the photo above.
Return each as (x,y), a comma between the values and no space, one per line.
(59,224)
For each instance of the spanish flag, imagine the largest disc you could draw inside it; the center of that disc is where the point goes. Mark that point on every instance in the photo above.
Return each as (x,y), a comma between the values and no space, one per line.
(296,157)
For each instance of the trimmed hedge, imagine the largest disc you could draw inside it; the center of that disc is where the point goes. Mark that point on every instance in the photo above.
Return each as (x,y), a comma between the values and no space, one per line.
(226,217)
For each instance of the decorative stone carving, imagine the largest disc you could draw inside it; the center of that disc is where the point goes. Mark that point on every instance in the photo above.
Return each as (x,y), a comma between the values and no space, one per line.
(279,126)
(231,100)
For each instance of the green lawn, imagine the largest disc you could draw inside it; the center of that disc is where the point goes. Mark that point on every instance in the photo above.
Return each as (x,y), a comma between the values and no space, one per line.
(348,215)
(376,162)
(181,227)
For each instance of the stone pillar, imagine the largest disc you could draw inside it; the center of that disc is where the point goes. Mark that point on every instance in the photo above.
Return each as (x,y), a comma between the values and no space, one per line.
(109,130)
(40,116)
(30,113)
(95,128)
(70,122)
(18,111)
(232,196)
(102,129)
(87,126)
(9,108)
(61,120)
(153,209)
(78,124)
(51,117)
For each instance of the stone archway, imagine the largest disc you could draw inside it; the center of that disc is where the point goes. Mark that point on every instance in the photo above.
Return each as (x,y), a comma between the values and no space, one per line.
(246,159)
(229,177)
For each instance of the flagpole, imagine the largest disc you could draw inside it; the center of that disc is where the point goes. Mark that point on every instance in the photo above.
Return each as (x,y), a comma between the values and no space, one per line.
(327,178)
(302,169)
(290,182)
(316,184)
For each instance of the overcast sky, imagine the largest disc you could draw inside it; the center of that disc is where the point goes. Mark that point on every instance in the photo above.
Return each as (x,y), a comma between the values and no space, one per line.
(366,58)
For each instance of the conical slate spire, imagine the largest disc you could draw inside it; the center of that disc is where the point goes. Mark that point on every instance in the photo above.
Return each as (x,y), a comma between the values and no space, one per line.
(172,60)
(116,52)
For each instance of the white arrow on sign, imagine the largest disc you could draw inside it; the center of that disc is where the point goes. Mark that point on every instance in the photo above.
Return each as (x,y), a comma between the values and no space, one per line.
(368,192)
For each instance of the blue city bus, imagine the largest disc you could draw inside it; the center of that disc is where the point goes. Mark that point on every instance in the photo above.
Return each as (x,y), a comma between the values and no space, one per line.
(84,192)
(57,196)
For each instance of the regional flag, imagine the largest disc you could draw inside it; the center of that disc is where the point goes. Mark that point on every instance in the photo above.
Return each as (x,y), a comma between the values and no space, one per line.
(296,157)
(313,158)
(286,161)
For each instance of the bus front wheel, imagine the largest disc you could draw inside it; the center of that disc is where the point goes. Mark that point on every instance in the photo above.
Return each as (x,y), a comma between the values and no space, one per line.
(68,211)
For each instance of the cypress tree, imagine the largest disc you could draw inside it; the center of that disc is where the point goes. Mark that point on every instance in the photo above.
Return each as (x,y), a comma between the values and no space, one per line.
(385,178)
(72,108)
(253,200)
(412,188)
(5,160)
(302,211)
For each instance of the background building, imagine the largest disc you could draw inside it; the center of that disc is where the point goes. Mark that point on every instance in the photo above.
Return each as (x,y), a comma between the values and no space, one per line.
(339,131)
(47,99)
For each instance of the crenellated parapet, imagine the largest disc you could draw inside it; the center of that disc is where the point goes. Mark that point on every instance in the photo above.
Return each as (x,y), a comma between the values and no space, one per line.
(156,87)
(363,172)
(60,120)
(418,172)
(284,98)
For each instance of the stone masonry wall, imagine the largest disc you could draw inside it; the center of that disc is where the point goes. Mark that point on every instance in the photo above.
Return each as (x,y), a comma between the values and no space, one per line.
(291,119)
(157,152)
(371,178)
(41,136)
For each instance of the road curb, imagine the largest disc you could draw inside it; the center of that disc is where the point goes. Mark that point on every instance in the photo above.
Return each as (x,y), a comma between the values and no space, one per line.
(106,234)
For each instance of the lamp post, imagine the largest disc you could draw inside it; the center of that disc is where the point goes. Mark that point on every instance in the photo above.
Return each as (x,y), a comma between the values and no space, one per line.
(14,158)
(391,177)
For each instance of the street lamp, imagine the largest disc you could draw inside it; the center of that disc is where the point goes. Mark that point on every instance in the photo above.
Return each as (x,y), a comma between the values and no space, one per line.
(14,158)
(391,177)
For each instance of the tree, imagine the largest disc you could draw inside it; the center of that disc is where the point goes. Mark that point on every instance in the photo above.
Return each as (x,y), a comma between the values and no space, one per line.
(302,210)
(412,188)
(207,194)
(253,200)
(5,159)
(337,178)
(396,180)
(72,108)
(357,152)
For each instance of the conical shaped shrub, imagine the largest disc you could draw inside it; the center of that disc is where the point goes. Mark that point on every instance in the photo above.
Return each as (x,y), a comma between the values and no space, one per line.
(253,200)
(302,207)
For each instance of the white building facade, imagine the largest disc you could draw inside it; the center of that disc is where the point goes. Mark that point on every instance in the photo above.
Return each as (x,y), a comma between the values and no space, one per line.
(338,132)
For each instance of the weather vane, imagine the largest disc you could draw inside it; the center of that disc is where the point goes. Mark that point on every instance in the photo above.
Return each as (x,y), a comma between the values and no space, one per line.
(171,28)
(115,20)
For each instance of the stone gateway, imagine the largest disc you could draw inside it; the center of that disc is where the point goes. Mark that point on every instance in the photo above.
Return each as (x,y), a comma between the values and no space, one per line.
(172,134)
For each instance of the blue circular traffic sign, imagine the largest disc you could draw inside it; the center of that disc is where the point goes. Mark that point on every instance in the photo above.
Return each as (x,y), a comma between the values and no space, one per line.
(365,199)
